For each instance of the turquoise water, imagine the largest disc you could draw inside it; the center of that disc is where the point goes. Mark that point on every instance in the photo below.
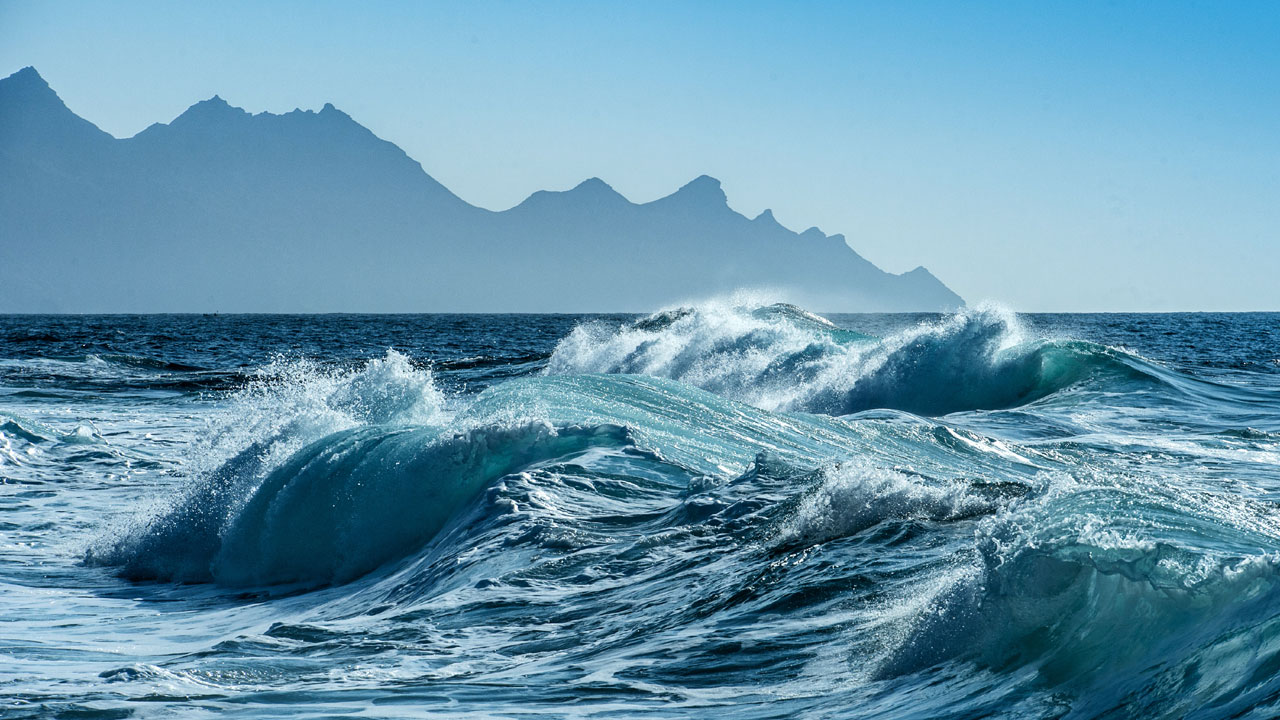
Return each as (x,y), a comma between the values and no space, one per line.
(731,508)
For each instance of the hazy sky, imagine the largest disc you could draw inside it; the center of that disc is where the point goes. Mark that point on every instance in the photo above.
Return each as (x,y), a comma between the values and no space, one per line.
(1054,156)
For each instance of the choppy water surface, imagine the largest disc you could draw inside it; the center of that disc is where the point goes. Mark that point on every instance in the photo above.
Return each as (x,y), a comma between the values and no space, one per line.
(733,507)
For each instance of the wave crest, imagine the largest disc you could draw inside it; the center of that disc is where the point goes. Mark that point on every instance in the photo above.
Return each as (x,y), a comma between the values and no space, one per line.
(850,499)
(779,357)
(1121,606)
(288,405)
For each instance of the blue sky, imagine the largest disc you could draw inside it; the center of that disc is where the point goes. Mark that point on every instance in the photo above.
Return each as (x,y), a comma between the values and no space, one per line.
(1053,156)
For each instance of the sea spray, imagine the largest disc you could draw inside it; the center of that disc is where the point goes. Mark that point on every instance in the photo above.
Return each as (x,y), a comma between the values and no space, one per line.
(288,405)
(781,358)
(646,537)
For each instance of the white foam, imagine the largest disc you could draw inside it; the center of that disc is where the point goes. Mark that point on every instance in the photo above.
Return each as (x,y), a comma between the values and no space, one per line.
(781,358)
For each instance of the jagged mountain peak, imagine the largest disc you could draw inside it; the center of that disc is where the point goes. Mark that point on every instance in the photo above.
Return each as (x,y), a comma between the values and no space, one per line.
(766,219)
(249,208)
(27,77)
(30,111)
(217,112)
(593,184)
(703,189)
(593,190)
(27,88)
(215,109)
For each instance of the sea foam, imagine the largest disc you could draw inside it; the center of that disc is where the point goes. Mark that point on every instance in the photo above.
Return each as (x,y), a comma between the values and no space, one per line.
(778,357)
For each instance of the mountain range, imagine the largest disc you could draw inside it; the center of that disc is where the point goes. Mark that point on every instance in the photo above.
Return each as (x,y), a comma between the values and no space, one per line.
(223,210)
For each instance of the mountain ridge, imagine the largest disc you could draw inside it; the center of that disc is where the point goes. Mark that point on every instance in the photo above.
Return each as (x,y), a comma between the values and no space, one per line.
(222,209)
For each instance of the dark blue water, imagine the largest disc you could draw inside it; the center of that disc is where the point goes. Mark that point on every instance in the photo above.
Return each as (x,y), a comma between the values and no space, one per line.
(731,508)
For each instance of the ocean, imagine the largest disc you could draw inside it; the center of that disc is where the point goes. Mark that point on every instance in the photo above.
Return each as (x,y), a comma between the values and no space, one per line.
(730,509)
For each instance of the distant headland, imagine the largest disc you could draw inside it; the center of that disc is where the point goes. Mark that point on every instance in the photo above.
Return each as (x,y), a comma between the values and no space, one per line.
(309,211)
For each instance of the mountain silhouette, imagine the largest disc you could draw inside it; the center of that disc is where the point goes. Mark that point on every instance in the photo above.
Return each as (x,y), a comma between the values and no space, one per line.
(307,211)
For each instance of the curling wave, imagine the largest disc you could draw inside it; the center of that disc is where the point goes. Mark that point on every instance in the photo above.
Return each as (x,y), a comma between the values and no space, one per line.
(1112,607)
(780,357)
(343,505)
(718,499)
(323,475)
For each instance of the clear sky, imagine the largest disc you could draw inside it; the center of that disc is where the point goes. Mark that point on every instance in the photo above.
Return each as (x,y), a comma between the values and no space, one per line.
(1071,156)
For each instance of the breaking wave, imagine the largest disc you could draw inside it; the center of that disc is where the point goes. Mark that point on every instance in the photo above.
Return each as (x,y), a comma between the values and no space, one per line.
(782,358)
(675,484)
